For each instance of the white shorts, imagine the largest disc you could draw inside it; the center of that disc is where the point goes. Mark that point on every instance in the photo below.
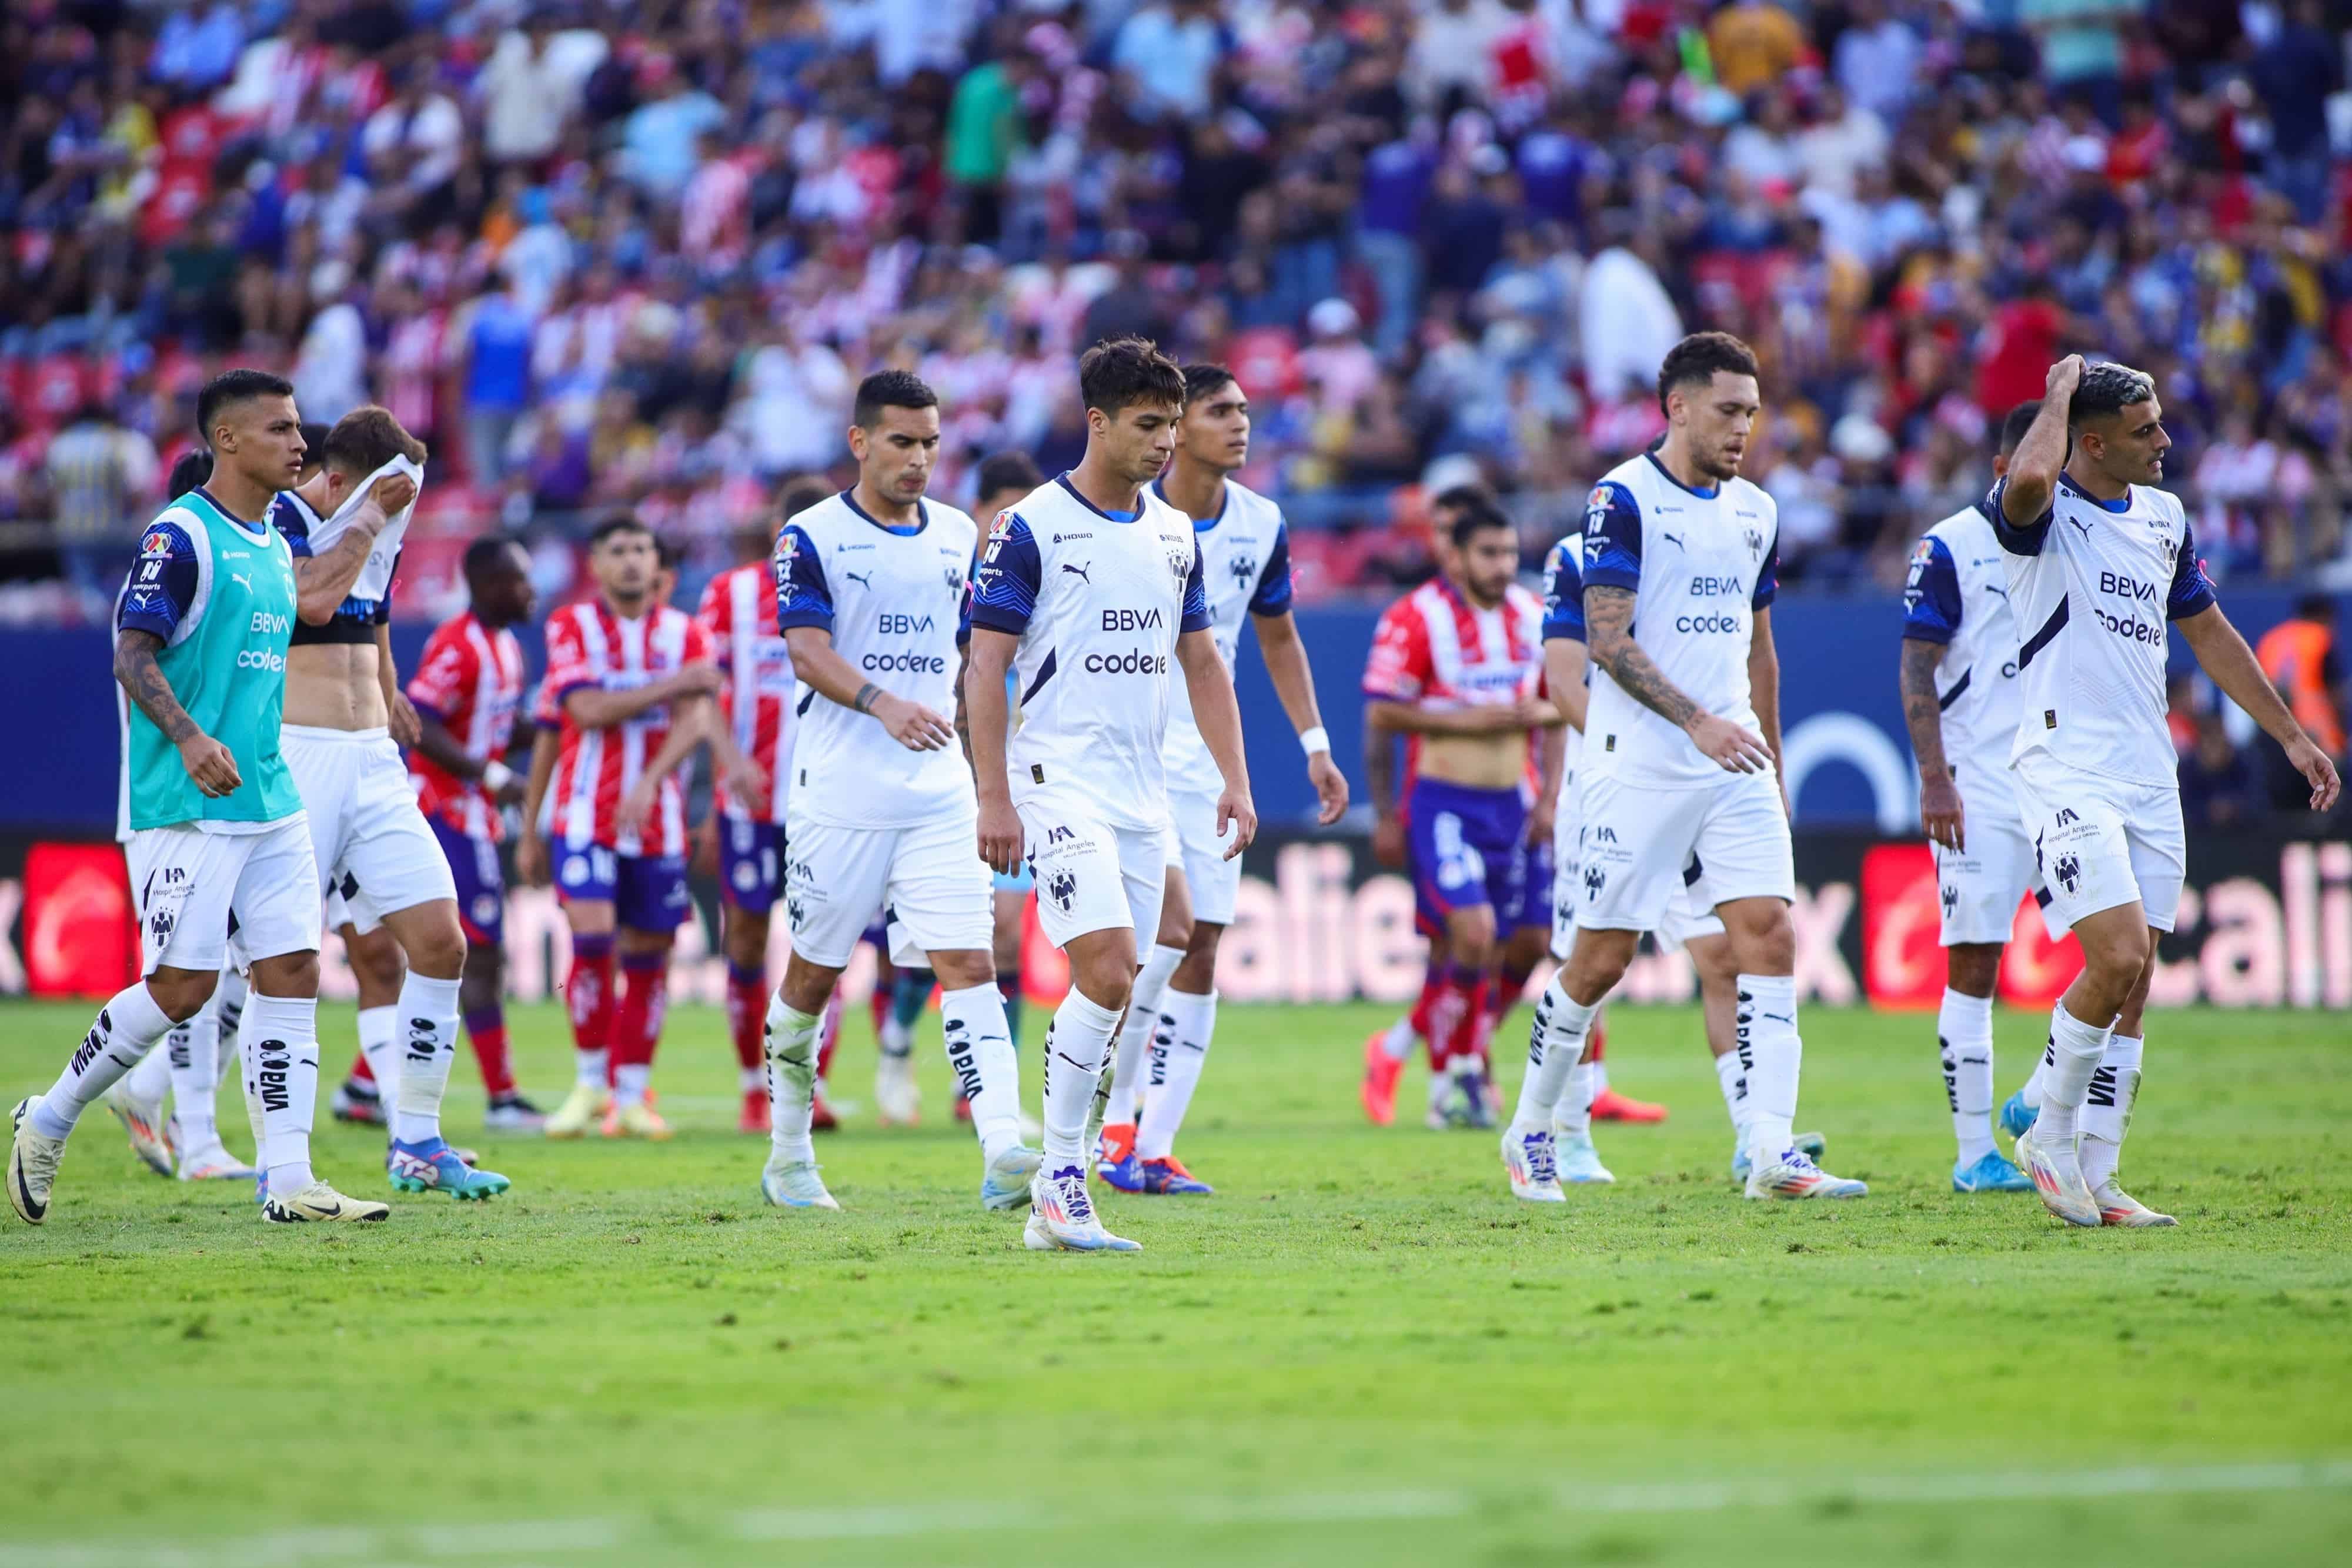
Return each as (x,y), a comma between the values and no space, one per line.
(928,875)
(1977,890)
(1684,921)
(371,842)
(1636,843)
(2101,842)
(189,884)
(355,911)
(1212,882)
(1091,875)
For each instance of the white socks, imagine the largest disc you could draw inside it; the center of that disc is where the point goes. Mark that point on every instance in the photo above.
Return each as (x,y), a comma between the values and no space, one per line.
(1768,1023)
(593,1068)
(2107,1109)
(1400,1038)
(1572,1117)
(1076,1043)
(1555,1045)
(2073,1056)
(194,1048)
(987,1069)
(1179,1047)
(281,1064)
(429,1012)
(1136,1038)
(1732,1075)
(1964,1033)
(792,1080)
(126,1028)
(151,1079)
(379,1043)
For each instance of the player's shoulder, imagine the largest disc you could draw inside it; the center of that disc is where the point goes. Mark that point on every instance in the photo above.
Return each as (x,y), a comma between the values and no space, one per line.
(1967,536)
(1629,481)
(174,530)
(948,518)
(825,516)
(1525,601)
(1245,504)
(1161,514)
(2163,504)
(1744,496)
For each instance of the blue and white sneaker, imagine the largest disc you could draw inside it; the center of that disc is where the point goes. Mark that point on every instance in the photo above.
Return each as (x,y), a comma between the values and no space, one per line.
(2016,1117)
(1812,1144)
(1579,1161)
(1168,1179)
(1062,1216)
(1795,1176)
(794,1183)
(1992,1172)
(435,1167)
(1005,1185)
(1528,1161)
(1126,1172)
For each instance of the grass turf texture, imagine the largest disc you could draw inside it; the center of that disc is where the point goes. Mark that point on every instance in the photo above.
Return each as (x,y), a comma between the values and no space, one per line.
(1360,1351)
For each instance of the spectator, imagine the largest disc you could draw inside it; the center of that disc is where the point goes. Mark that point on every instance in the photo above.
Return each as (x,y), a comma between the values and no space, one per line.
(98,473)
(2300,656)
(2295,73)
(1754,43)
(1628,321)
(2217,782)
(1169,50)
(531,87)
(496,376)
(659,146)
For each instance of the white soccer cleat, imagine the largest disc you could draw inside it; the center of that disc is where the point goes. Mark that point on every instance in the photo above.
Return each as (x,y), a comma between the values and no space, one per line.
(213,1161)
(32,1167)
(142,1124)
(1577,1161)
(897,1098)
(1527,1161)
(1005,1183)
(1062,1216)
(794,1184)
(2117,1206)
(1795,1176)
(2057,1172)
(320,1203)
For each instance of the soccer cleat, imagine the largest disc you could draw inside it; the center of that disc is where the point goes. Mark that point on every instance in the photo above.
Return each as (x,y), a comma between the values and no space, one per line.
(755,1117)
(1125,1174)
(1992,1172)
(213,1161)
(1794,1176)
(1812,1145)
(1382,1072)
(1114,1156)
(1527,1161)
(1462,1098)
(2117,1206)
(2057,1175)
(1062,1216)
(1006,1183)
(513,1114)
(1169,1178)
(794,1184)
(436,1168)
(2016,1116)
(1611,1106)
(639,1119)
(897,1098)
(963,1108)
(319,1202)
(581,1111)
(821,1117)
(32,1167)
(1578,1162)
(142,1124)
(356,1102)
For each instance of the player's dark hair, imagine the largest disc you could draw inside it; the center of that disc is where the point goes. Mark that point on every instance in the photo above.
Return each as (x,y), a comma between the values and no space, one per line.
(2020,419)
(1477,516)
(890,389)
(801,494)
(1697,358)
(486,554)
(314,443)
(1127,371)
(193,469)
(1002,471)
(1462,498)
(367,438)
(234,386)
(618,523)
(2108,388)
(1200,380)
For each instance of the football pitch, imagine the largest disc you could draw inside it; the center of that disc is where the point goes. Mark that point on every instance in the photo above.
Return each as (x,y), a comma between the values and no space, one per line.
(1360,1351)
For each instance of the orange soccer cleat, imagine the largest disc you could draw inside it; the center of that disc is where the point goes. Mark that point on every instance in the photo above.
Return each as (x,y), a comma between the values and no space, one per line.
(754,1119)
(1611,1106)
(821,1117)
(1382,1072)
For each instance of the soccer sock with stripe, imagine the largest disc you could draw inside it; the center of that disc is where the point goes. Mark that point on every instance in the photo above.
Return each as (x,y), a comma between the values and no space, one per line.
(1136,1035)
(1413,1026)
(747,1002)
(126,1028)
(1731,1076)
(987,1071)
(281,1054)
(791,1079)
(1964,1038)
(1556,1043)
(1768,1016)
(638,1022)
(1180,1049)
(379,1031)
(1454,1020)
(485,1031)
(428,1018)
(2107,1108)
(2071,1056)
(588,993)
(1076,1044)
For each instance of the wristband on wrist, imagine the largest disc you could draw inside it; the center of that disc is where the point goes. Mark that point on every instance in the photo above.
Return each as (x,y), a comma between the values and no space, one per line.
(496,775)
(1313,740)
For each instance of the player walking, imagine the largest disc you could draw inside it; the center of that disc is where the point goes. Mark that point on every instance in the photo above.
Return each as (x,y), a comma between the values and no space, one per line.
(1246,569)
(2098,562)
(1006,480)
(1089,589)
(1680,556)
(219,834)
(868,589)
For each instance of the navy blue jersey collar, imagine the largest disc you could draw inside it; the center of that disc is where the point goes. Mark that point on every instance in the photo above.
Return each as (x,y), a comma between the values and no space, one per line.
(1706,495)
(1201,525)
(259,530)
(1063,479)
(2121,503)
(922,513)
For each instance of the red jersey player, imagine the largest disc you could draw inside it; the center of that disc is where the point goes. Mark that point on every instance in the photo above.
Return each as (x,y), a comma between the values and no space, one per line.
(628,680)
(467,691)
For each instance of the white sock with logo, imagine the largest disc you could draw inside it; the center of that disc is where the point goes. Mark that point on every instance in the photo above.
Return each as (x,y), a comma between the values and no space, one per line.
(1964,1034)
(379,1043)
(281,1053)
(1555,1045)
(792,1080)
(1571,1116)
(2107,1108)
(1731,1077)
(1076,1042)
(1135,1036)
(1768,1018)
(151,1079)
(195,1077)
(987,1068)
(2073,1055)
(126,1028)
(1178,1050)
(428,1015)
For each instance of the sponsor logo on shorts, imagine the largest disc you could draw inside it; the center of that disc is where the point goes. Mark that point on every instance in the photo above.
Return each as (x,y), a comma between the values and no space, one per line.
(1064,889)
(2070,872)
(1951,897)
(1595,880)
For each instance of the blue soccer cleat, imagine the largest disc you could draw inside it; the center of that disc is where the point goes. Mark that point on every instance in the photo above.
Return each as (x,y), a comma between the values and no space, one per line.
(2016,1117)
(1125,1174)
(1169,1178)
(1992,1172)
(435,1167)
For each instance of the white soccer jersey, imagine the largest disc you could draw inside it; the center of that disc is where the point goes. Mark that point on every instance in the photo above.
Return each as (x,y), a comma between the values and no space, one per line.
(368,603)
(1701,563)
(1098,600)
(890,597)
(1563,620)
(1957,595)
(2091,584)
(1244,571)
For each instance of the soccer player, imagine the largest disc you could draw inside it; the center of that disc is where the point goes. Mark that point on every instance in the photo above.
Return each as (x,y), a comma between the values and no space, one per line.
(868,589)
(1246,571)
(1455,667)
(219,831)
(346,719)
(1006,478)
(627,686)
(1681,753)
(1959,682)
(2099,561)
(467,690)
(1089,589)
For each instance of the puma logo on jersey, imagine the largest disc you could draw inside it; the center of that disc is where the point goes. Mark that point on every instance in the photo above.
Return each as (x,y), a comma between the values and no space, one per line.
(1080,572)
(863,578)
(1673,540)
(2081,523)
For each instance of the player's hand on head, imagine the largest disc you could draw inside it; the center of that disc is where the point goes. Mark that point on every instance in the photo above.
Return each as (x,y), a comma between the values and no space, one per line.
(1237,812)
(1733,748)
(1330,788)
(1000,836)
(1940,814)
(209,763)
(392,493)
(913,726)
(2064,375)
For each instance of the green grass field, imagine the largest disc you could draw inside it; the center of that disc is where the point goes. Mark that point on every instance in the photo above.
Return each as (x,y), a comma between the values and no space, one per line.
(1360,1351)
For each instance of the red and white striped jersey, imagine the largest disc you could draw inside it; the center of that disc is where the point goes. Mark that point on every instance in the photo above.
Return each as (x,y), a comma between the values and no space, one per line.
(470,678)
(1435,649)
(589,646)
(738,617)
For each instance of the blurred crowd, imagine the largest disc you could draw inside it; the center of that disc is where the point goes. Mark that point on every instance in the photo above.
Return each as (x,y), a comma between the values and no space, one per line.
(601,254)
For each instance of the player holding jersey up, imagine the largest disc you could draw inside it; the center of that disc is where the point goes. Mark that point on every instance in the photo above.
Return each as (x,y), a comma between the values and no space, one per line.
(2099,561)
(1090,590)
(869,591)
(1682,752)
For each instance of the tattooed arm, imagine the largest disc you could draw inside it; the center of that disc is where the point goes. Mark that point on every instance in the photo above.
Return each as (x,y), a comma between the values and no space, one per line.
(1609,632)
(208,762)
(1923,714)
